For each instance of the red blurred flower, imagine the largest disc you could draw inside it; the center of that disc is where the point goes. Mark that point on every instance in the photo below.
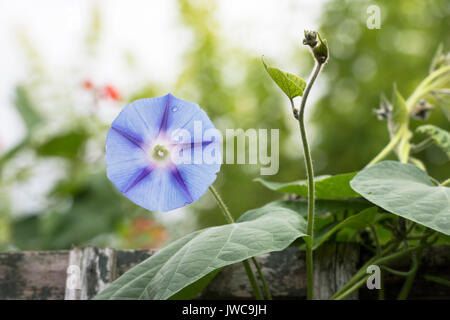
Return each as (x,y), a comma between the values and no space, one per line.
(111,92)
(145,233)
(87,84)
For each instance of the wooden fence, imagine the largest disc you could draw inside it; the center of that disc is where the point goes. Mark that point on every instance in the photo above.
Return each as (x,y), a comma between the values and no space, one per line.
(81,273)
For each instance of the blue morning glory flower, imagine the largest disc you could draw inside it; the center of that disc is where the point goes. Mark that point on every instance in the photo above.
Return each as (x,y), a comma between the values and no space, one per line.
(162,153)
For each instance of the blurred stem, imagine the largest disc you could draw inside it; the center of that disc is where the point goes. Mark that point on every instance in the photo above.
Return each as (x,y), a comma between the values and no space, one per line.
(422,145)
(264,283)
(404,292)
(446,182)
(437,279)
(361,275)
(356,286)
(310,177)
(425,87)
(248,269)
(373,229)
(390,146)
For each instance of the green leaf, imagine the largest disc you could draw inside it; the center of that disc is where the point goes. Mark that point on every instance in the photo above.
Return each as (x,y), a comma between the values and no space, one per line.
(326,187)
(440,136)
(192,290)
(322,206)
(400,114)
(407,191)
(26,109)
(358,221)
(291,85)
(67,145)
(190,258)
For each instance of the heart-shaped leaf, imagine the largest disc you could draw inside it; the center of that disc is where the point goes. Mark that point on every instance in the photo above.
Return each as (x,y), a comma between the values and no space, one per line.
(407,191)
(291,85)
(190,258)
(326,187)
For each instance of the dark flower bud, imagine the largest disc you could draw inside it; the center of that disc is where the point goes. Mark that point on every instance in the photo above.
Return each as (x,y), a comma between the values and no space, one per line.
(385,110)
(310,38)
(422,110)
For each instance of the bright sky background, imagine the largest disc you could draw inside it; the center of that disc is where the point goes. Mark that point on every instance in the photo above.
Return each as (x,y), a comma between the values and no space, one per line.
(56,29)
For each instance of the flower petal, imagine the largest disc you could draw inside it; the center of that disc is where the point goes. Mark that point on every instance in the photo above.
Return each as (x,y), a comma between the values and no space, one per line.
(142,118)
(198,177)
(159,190)
(180,113)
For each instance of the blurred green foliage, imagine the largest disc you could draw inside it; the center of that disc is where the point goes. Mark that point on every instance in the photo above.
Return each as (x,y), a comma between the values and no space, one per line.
(365,63)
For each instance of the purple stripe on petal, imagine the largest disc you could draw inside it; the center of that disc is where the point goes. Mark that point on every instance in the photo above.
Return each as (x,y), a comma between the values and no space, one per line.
(145,172)
(129,137)
(192,144)
(163,126)
(176,174)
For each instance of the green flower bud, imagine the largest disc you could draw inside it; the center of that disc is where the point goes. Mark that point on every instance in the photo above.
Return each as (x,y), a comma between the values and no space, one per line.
(321,51)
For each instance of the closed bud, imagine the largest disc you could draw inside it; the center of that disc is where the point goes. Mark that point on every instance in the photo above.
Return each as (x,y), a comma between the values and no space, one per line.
(321,51)
(422,110)
(310,38)
(385,110)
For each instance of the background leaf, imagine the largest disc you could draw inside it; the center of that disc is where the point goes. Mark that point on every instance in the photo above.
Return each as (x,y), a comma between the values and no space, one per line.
(26,109)
(326,187)
(400,114)
(67,145)
(440,136)
(192,257)
(406,191)
(322,206)
(291,85)
(358,221)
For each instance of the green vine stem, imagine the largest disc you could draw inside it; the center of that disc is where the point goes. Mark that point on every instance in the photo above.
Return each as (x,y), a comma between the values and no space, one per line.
(248,269)
(373,229)
(261,276)
(310,177)
(376,261)
(437,279)
(407,285)
(425,87)
(389,147)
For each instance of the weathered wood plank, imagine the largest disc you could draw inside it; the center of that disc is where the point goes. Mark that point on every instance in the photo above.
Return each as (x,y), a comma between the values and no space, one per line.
(89,270)
(334,265)
(33,275)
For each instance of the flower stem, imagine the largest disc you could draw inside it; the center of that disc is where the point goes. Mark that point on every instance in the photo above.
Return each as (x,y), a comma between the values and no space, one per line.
(261,276)
(221,204)
(248,269)
(310,177)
